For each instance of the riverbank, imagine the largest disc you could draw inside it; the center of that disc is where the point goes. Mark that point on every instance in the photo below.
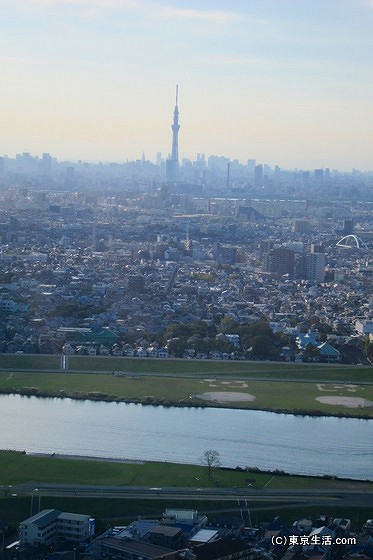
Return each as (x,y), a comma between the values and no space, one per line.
(83,458)
(22,473)
(176,366)
(278,479)
(298,399)
(20,468)
(300,389)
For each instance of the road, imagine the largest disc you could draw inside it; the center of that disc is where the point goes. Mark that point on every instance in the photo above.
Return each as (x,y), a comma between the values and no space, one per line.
(238,376)
(301,497)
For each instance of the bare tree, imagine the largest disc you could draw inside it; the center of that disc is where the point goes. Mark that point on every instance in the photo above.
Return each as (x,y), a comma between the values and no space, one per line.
(211,458)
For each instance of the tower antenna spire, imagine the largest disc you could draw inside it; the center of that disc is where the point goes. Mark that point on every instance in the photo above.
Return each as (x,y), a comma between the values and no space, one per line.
(172,165)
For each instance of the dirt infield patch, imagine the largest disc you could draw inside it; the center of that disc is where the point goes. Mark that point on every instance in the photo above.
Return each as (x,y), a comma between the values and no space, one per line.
(226,396)
(333,388)
(348,402)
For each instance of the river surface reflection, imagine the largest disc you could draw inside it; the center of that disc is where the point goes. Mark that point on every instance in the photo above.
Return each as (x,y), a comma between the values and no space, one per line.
(300,445)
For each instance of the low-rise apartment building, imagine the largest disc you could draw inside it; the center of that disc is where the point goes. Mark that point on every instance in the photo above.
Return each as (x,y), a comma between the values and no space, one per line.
(49,524)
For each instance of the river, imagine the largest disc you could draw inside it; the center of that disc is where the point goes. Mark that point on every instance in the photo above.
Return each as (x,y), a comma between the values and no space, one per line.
(319,446)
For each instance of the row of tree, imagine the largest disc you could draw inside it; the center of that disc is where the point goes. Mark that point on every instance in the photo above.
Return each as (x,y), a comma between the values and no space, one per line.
(257,340)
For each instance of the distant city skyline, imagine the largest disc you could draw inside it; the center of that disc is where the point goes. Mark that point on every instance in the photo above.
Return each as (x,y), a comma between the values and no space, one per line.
(283,82)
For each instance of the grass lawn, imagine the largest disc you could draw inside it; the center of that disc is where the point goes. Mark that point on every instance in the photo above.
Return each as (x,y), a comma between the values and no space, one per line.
(18,468)
(192,367)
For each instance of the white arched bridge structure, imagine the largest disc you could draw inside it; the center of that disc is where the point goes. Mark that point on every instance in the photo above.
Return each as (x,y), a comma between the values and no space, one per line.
(351,242)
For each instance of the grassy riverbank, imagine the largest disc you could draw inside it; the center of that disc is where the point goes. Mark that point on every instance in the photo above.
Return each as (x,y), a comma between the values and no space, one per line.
(177,367)
(20,469)
(281,387)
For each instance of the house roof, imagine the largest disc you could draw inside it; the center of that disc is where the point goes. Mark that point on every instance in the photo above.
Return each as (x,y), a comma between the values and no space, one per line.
(219,549)
(204,535)
(306,338)
(327,349)
(44,517)
(136,547)
(165,530)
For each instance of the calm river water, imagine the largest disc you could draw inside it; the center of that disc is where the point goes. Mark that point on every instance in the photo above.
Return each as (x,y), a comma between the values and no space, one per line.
(300,445)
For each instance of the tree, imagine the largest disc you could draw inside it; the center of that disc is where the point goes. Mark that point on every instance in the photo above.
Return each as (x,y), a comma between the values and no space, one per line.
(211,458)
(262,346)
(310,353)
(177,346)
(228,325)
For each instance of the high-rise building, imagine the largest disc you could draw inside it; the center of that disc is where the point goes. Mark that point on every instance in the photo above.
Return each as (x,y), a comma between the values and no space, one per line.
(315,267)
(302,226)
(266,246)
(258,175)
(279,261)
(46,164)
(305,178)
(348,227)
(317,248)
(319,176)
(172,164)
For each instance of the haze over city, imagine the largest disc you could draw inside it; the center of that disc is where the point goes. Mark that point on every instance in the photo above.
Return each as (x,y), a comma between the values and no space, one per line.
(288,83)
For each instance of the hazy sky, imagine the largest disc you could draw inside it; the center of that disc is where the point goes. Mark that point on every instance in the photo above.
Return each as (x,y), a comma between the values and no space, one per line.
(287,82)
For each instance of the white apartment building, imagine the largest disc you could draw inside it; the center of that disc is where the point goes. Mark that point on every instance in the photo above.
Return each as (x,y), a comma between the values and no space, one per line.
(47,525)
(315,267)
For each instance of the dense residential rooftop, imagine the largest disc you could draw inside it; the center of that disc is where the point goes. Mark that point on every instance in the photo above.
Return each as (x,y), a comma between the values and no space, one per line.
(112,275)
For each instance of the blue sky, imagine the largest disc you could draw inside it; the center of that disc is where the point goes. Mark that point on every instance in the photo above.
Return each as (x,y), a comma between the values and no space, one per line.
(287,82)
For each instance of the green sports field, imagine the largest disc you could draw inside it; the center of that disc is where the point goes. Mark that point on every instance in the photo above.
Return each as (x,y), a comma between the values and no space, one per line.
(315,389)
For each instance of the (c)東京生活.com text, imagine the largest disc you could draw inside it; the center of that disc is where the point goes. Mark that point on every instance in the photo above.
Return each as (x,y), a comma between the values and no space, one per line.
(312,540)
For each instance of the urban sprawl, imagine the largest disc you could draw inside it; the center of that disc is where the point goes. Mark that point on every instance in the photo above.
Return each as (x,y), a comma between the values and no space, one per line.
(230,261)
